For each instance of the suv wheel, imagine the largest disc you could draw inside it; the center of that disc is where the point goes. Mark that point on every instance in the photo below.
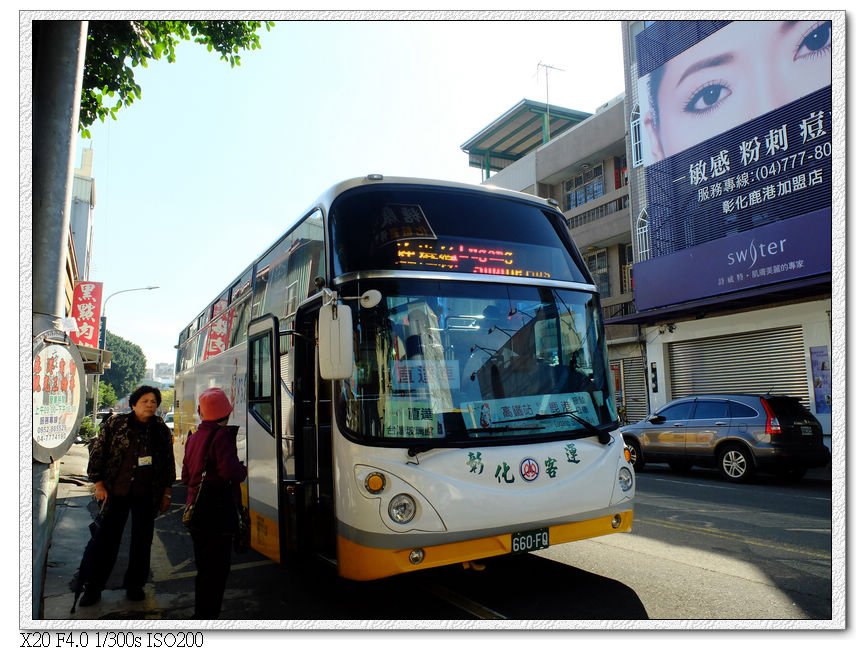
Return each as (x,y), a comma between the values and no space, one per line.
(636,453)
(735,463)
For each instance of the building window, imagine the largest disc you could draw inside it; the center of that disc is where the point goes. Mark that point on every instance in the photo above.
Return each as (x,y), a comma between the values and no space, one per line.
(621,172)
(636,137)
(642,231)
(583,188)
(597,263)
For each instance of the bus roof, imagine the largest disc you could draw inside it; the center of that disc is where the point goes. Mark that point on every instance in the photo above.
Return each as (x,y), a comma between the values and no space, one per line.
(374,179)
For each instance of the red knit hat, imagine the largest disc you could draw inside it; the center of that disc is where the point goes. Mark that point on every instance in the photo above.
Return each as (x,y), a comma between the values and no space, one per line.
(213,404)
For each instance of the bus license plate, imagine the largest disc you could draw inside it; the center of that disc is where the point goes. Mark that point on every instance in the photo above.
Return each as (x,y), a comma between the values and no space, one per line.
(806,431)
(530,540)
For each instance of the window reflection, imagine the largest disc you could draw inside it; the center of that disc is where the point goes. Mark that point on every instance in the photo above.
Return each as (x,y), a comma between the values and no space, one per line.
(475,361)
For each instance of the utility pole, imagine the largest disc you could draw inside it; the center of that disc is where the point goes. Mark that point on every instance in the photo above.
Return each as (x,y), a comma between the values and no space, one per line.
(58,48)
(58,60)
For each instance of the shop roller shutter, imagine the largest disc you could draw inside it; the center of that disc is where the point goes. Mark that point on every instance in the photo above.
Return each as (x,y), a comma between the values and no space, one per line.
(636,396)
(750,362)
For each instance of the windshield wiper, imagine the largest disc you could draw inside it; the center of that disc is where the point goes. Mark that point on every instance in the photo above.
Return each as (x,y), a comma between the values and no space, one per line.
(591,430)
(419,449)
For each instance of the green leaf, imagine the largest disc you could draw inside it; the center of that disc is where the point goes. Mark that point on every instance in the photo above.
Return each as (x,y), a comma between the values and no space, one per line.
(115,48)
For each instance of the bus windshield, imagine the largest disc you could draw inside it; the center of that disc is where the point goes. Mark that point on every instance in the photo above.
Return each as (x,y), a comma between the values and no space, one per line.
(444,363)
(417,228)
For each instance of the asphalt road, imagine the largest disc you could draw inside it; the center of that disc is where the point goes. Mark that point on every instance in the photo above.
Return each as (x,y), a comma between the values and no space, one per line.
(703,548)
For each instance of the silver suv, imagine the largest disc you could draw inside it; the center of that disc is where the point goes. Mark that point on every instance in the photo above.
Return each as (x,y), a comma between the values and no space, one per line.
(737,433)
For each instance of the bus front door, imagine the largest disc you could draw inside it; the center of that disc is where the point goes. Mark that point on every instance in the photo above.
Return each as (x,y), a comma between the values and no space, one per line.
(309,491)
(264,431)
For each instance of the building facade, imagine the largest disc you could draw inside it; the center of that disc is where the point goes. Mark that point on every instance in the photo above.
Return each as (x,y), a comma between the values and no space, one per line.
(729,149)
(81,214)
(579,159)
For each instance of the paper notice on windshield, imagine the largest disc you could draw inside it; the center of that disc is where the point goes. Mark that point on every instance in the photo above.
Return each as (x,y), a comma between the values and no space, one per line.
(425,375)
(498,412)
(412,418)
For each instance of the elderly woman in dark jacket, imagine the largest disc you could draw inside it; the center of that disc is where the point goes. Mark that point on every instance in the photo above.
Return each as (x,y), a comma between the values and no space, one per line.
(132,469)
(213,447)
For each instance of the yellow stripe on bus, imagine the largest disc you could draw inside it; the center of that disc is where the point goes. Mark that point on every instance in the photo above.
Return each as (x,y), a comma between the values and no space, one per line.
(264,535)
(358,562)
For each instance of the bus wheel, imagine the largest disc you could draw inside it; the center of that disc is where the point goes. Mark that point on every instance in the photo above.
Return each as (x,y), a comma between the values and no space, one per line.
(735,463)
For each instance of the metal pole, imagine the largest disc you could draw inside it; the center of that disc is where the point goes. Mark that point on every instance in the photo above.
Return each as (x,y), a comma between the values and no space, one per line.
(58,68)
(58,49)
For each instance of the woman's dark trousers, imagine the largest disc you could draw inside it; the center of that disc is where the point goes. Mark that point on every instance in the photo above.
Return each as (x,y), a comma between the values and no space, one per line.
(213,561)
(107,542)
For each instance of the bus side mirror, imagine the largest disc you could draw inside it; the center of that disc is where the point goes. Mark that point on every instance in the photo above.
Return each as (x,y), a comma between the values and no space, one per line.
(335,342)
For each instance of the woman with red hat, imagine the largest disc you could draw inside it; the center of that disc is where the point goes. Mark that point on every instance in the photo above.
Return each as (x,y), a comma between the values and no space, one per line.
(213,447)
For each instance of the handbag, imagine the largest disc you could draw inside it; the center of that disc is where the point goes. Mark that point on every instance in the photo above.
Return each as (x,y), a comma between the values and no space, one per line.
(214,509)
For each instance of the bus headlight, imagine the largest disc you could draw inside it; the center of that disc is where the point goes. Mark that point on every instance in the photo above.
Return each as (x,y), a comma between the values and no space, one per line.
(402,508)
(626,479)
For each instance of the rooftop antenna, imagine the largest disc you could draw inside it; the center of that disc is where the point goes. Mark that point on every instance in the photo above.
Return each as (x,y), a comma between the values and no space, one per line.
(547,69)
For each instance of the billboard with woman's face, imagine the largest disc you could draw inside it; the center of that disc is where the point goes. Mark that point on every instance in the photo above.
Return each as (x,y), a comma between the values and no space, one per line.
(736,137)
(735,75)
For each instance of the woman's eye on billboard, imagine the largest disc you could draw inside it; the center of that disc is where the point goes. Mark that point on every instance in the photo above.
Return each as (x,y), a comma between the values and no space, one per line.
(707,98)
(817,42)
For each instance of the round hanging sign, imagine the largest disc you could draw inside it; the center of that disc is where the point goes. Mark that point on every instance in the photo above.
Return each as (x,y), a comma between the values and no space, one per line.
(58,394)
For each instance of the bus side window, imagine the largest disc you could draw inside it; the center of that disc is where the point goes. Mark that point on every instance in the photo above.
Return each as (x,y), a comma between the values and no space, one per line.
(239,323)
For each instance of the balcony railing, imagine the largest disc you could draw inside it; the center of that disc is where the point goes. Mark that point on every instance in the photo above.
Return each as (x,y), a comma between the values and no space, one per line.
(620,309)
(599,212)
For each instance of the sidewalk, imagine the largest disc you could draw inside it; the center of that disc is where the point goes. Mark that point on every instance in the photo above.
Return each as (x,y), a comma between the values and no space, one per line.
(170,594)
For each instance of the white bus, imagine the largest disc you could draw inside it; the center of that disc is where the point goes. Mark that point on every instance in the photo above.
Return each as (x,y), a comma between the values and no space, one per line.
(420,378)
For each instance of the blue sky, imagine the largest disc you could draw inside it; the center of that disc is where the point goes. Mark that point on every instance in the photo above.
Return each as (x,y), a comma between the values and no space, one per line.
(213,163)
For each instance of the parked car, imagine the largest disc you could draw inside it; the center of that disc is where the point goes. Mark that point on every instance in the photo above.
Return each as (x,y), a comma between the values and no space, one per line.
(739,434)
(168,418)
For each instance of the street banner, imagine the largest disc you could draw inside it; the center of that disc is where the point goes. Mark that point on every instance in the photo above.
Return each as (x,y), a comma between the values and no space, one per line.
(86,310)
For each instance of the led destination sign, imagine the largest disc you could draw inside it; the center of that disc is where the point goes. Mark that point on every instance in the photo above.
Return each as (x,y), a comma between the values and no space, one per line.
(488,259)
